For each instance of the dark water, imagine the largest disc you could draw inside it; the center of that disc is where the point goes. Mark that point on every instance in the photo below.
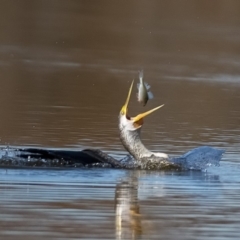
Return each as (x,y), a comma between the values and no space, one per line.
(65,69)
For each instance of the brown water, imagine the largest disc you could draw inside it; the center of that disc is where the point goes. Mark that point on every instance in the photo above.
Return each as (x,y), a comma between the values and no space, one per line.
(65,69)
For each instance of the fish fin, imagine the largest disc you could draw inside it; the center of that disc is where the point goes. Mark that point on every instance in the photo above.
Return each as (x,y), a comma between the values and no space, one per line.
(150,95)
(147,86)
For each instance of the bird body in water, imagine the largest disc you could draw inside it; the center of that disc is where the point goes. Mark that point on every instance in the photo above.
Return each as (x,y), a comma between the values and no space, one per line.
(140,157)
(130,129)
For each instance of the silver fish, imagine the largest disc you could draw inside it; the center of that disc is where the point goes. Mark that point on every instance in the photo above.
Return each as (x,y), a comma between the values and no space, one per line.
(143,94)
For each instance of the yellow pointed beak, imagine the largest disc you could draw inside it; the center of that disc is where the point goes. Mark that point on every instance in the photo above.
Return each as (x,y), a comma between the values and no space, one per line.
(125,106)
(142,115)
(139,118)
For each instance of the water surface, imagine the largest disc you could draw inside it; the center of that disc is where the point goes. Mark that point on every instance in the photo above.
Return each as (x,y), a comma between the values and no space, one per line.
(65,70)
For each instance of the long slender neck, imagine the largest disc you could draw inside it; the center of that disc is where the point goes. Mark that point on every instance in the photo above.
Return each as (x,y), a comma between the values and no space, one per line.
(132,142)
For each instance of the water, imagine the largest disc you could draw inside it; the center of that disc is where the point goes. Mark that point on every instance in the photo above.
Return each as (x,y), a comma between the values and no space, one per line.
(65,69)
(119,204)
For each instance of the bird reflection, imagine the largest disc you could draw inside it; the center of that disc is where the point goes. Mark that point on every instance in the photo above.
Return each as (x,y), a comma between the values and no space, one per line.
(129,221)
(128,216)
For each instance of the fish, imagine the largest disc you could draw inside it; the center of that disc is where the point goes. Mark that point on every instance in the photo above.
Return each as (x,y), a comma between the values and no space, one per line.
(144,94)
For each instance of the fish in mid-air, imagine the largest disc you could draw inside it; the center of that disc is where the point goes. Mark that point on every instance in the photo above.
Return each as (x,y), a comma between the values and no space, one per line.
(144,93)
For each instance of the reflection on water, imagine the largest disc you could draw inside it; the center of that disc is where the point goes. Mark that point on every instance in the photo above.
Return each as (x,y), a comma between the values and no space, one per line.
(119,204)
(65,69)
(127,209)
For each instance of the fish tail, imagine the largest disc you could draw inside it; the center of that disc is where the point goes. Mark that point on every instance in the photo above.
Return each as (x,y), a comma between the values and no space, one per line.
(141,75)
(147,86)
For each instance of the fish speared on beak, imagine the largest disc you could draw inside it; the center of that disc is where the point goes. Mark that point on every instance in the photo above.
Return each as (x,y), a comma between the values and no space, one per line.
(138,120)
